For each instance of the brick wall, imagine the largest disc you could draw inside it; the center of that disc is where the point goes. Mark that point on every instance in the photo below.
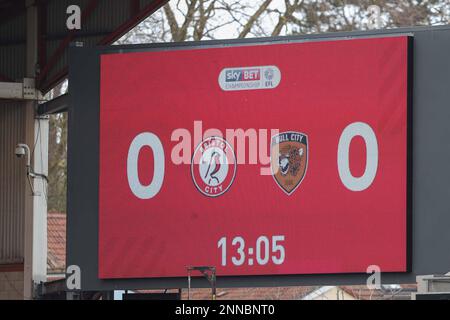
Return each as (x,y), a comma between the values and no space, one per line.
(11,285)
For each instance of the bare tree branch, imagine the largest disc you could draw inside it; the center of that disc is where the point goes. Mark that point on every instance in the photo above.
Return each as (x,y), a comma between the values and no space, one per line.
(248,26)
(173,24)
(283,19)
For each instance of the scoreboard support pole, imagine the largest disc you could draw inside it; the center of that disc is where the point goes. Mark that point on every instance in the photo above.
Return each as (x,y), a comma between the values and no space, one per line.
(209,273)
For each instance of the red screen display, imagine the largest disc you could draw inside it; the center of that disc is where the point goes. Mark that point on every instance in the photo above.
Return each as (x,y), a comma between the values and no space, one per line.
(258,159)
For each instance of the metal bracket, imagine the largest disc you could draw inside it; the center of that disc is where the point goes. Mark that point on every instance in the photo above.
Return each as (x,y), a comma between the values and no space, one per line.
(25,90)
(209,273)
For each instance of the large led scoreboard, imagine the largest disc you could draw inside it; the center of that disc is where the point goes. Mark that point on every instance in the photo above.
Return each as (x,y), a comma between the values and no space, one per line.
(273,161)
(327,119)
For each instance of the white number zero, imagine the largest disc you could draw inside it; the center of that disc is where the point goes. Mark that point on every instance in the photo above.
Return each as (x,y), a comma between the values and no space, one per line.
(151,140)
(365,131)
(262,256)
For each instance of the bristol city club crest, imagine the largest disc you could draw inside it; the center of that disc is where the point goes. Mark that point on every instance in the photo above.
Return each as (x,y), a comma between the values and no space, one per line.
(289,159)
(213,166)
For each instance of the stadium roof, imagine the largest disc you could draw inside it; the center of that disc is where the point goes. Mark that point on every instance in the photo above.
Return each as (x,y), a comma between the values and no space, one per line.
(102,22)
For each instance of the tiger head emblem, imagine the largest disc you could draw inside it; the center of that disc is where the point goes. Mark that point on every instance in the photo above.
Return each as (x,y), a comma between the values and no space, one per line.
(289,159)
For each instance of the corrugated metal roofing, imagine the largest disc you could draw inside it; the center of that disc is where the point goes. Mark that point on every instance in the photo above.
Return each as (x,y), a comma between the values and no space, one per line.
(103,21)
(12,183)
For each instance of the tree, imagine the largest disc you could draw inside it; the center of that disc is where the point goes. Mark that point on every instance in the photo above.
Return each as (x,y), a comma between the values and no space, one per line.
(185,20)
(57,156)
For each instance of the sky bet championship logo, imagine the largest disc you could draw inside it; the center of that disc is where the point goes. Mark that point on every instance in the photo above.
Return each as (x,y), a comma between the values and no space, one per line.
(249,78)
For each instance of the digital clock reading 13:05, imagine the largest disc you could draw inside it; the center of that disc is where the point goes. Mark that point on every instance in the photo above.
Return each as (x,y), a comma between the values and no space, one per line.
(266,250)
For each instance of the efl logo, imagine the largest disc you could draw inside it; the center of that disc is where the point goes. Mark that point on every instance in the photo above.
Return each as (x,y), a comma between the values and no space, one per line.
(242,75)
(249,78)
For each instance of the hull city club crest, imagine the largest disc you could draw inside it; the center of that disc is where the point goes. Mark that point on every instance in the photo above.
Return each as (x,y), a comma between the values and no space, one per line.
(213,166)
(289,159)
